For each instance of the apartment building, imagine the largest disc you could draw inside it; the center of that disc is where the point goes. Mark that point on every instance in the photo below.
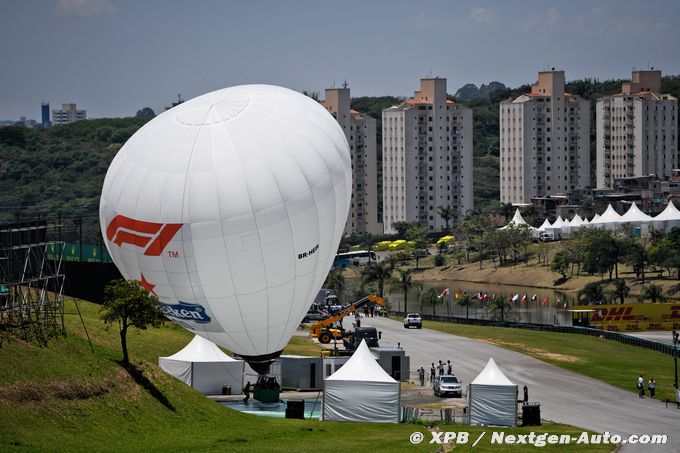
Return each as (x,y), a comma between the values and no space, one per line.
(360,131)
(544,141)
(427,158)
(636,131)
(68,114)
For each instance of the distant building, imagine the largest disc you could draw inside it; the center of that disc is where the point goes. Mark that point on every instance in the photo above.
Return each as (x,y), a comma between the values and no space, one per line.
(360,131)
(545,141)
(68,114)
(427,158)
(176,103)
(636,131)
(45,110)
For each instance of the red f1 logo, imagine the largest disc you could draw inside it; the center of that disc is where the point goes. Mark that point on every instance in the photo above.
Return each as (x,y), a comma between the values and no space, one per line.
(152,237)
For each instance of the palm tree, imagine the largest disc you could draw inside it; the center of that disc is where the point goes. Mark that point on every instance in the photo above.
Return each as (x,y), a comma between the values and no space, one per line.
(378,273)
(446,213)
(592,293)
(312,94)
(507,210)
(465,301)
(335,281)
(405,283)
(653,293)
(621,291)
(430,297)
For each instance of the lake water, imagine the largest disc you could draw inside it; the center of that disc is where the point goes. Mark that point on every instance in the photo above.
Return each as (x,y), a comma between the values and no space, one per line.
(312,408)
(531,311)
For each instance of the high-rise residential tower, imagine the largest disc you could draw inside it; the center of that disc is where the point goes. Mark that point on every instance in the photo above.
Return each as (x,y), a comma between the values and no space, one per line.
(636,131)
(545,137)
(67,114)
(360,131)
(427,158)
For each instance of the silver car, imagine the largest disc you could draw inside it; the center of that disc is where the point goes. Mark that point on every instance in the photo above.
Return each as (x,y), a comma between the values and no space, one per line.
(448,384)
(413,320)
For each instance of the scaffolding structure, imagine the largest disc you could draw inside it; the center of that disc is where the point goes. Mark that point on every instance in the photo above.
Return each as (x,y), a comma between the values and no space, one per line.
(31,285)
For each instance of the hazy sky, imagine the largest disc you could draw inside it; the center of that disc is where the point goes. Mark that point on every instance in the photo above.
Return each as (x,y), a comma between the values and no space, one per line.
(113,57)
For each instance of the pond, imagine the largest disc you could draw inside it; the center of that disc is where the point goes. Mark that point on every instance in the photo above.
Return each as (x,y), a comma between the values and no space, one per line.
(312,408)
(548,307)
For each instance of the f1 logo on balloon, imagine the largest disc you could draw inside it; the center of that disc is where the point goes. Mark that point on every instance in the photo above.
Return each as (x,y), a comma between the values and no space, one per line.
(152,237)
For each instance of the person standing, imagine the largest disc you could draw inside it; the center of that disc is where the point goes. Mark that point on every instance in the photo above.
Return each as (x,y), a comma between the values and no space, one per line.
(449,368)
(421,375)
(441,367)
(246,390)
(652,387)
(433,373)
(641,386)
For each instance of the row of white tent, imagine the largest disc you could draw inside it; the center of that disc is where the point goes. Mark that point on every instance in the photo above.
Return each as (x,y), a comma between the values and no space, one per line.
(360,391)
(610,219)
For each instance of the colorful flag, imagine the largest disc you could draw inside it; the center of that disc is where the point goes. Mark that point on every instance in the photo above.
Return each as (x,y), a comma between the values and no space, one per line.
(565,305)
(545,300)
(534,297)
(483,297)
(515,298)
(445,292)
(557,302)
(493,296)
(524,298)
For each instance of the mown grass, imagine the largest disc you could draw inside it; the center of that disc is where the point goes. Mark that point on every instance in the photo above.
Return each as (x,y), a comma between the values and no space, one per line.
(65,397)
(606,360)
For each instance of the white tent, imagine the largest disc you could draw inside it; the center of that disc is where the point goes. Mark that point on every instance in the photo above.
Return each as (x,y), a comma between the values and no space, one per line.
(556,228)
(516,220)
(636,218)
(573,226)
(203,366)
(545,225)
(668,218)
(361,391)
(492,398)
(610,219)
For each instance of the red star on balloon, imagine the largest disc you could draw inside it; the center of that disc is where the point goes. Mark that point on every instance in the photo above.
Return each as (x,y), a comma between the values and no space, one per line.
(148,286)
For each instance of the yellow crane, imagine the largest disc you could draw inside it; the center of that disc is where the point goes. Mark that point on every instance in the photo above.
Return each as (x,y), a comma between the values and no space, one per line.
(325,333)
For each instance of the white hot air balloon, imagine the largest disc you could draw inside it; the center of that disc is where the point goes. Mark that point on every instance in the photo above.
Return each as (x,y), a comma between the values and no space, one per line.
(230,208)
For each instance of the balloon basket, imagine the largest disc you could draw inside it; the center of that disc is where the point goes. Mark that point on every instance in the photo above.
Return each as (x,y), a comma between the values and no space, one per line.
(264,395)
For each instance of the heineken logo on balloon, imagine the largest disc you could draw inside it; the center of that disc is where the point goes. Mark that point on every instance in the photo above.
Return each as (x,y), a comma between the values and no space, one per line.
(230,207)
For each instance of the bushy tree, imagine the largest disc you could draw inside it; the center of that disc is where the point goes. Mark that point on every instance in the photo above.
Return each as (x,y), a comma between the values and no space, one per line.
(129,304)
(378,273)
(560,263)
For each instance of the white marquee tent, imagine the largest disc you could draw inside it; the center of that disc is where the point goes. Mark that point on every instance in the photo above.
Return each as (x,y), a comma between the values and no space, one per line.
(668,218)
(609,219)
(545,225)
(516,220)
(492,398)
(203,366)
(361,391)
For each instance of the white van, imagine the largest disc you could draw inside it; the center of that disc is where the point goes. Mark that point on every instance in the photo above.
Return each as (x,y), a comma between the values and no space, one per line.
(547,236)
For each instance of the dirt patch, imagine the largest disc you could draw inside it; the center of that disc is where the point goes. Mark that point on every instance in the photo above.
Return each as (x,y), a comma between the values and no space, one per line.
(536,352)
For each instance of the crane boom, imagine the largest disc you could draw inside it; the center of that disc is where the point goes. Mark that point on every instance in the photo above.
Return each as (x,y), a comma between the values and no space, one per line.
(317,327)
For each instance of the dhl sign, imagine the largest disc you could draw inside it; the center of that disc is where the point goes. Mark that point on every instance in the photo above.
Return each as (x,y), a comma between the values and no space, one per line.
(632,317)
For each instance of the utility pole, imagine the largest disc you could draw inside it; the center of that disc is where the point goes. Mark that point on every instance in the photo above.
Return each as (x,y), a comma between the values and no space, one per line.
(676,341)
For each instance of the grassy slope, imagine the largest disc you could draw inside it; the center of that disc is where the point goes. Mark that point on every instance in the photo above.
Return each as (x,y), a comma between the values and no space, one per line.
(64,397)
(611,362)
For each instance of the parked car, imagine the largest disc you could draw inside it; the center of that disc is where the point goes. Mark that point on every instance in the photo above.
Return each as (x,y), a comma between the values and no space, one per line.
(413,320)
(421,254)
(448,384)
(547,236)
(314,315)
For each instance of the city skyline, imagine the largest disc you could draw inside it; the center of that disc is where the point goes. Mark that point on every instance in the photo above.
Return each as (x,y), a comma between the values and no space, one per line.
(115,57)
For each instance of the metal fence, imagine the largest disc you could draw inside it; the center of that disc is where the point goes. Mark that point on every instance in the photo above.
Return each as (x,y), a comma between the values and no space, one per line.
(614,336)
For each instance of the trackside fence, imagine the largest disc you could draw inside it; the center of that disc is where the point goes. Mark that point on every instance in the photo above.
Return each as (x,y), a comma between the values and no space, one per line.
(614,336)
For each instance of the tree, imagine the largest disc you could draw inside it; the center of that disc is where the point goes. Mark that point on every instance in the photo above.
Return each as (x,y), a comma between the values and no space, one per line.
(430,297)
(378,273)
(446,213)
(312,94)
(401,226)
(620,292)
(506,210)
(405,283)
(592,293)
(465,301)
(335,280)
(560,263)
(653,293)
(129,304)
(417,234)
(146,112)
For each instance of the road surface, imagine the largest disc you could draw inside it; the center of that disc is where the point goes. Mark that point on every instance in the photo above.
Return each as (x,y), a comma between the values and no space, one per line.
(662,336)
(565,396)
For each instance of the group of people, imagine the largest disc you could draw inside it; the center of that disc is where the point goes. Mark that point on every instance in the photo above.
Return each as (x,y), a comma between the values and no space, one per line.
(440,369)
(651,385)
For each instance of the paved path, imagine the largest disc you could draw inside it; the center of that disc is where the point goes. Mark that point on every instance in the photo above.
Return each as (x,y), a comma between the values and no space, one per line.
(662,336)
(565,396)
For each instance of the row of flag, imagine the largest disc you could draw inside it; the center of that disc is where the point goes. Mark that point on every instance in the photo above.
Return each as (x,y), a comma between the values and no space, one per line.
(485,296)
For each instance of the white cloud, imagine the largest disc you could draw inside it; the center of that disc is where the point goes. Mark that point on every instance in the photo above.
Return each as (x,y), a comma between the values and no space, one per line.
(483,15)
(548,19)
(85,8)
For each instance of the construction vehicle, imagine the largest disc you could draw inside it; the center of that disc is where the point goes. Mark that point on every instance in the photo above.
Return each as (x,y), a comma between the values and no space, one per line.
(324,330)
